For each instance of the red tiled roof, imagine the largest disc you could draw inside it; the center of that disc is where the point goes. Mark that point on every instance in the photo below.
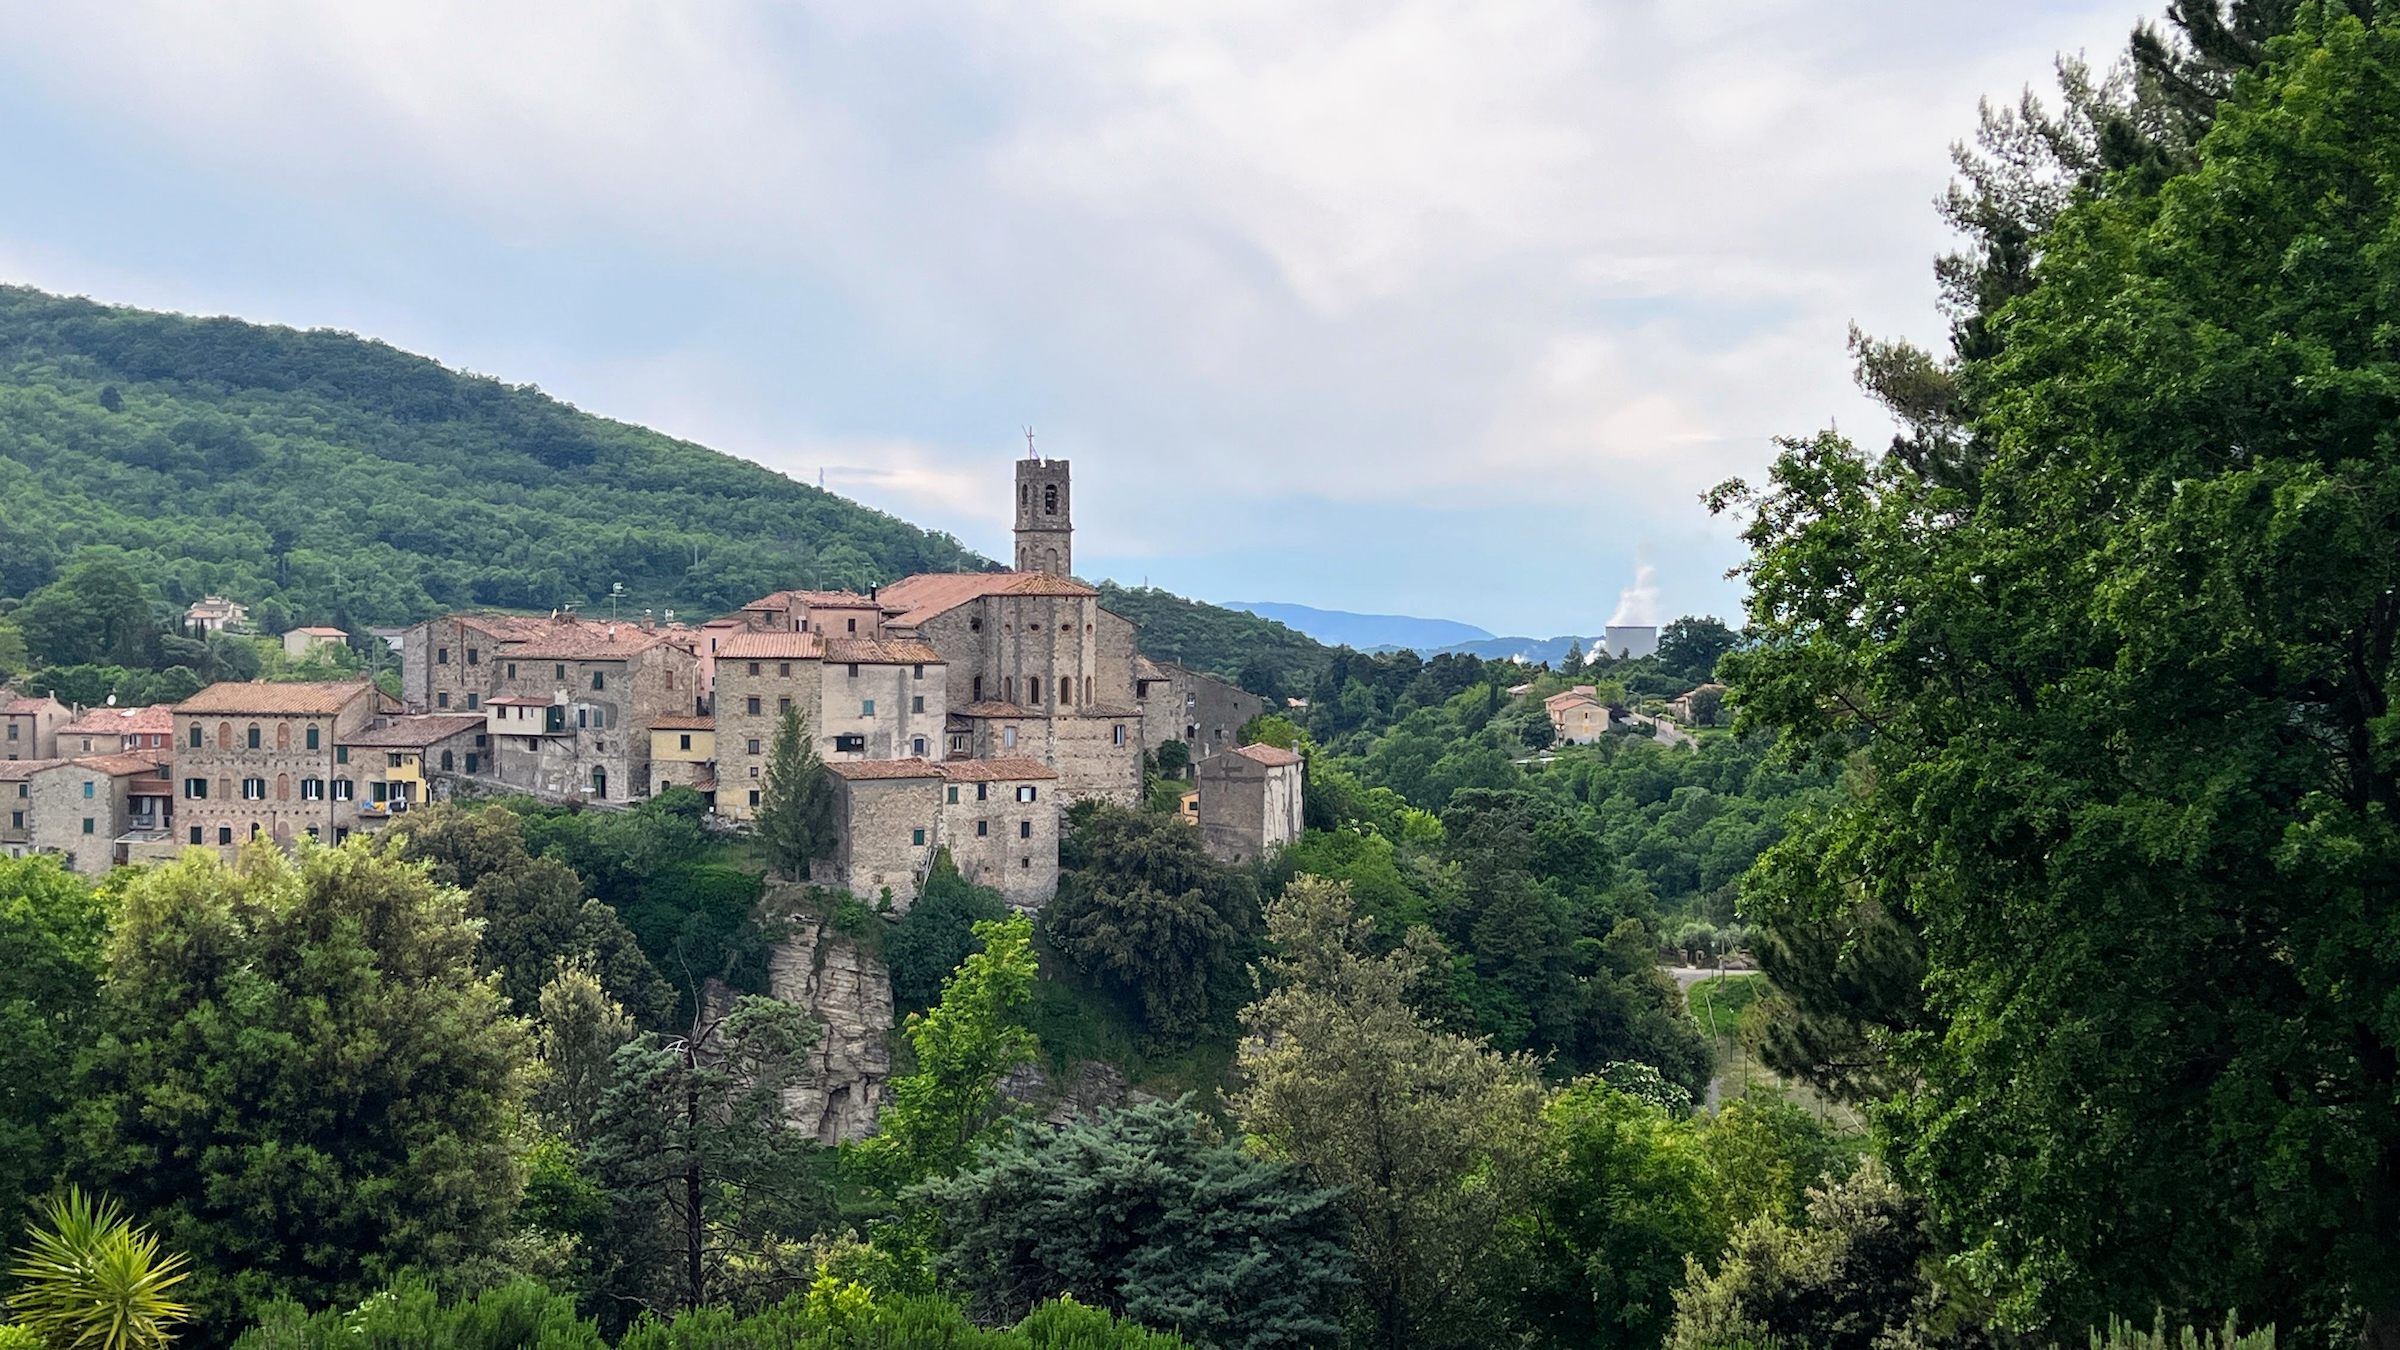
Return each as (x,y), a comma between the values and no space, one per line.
(879,652)
(921,597)
(17,770)
(995,770)
(1561,702)
(586,641)
(770,647)
(683,724)
(26,707)
(1270,755)
(260,697)
(156,718)
(858,770)
(989,710)
(119,766)
(322,632)
(813,600)
(516,701)
(404,733)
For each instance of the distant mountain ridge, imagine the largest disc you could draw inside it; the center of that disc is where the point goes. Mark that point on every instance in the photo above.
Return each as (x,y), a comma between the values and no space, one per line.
(1366,632)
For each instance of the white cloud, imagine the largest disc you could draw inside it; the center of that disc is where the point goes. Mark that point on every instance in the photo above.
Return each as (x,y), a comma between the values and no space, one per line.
(1318,257)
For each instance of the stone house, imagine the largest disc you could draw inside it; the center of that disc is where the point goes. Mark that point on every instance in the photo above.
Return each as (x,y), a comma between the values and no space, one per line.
(761,675)
(1205,713)
(16,803)
(828,614)
(1577,717)
(887,814)
(270,761)
(299,642)
(683,753)
(132,731)
(81,808)
(29,726)
(1000,821)
(881,698)
(1701,707)
(395,758)
(1251,800)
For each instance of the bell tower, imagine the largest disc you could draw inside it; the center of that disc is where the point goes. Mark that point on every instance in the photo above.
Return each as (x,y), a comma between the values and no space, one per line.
(1045,524)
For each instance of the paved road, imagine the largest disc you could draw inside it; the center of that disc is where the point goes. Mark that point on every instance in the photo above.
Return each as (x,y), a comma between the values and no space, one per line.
(1661,730)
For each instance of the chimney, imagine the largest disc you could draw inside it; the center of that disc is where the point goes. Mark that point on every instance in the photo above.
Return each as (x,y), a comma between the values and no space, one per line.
(612,632)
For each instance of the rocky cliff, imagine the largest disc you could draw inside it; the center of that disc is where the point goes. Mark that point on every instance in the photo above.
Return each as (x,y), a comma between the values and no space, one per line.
(850,993)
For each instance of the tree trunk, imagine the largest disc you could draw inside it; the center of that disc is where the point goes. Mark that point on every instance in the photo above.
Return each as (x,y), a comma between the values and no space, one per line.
(694,1274)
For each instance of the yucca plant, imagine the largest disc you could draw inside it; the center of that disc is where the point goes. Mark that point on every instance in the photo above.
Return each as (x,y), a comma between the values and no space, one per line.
(95,1280)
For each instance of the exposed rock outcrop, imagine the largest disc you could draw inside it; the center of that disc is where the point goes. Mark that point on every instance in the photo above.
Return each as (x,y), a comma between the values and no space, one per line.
(850,994)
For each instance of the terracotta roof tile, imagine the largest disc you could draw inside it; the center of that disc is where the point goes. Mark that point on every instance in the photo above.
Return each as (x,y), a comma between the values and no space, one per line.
(261,697)
(118,766)
(1270,755)
(18,770)
(995,770)
(989,710)
(683,724)
(323,632)
(770,647)
(586,642)
(400,733)
(26,707)
(921,597)
(864,770)
(879,652)
(156,718)
(1561,702)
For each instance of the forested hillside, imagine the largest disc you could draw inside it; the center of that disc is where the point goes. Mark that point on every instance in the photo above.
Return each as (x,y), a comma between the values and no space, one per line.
(356,483)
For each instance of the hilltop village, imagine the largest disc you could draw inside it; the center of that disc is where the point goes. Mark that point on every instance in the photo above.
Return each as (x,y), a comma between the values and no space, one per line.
(960,711)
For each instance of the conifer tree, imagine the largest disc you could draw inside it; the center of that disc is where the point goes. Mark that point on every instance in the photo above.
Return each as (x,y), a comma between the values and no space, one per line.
(795,805)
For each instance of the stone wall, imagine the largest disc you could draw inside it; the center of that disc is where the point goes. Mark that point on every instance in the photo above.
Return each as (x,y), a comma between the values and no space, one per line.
(885,830)
(746,739)
(60,810)
(283,763)
(1000,841)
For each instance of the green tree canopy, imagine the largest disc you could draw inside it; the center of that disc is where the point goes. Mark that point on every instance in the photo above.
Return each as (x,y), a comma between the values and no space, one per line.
(1143,907)
(52,924)
(302,1081)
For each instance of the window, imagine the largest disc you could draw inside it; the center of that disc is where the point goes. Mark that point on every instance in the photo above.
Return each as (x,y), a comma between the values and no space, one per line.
(1025,829)
(340,833)
(983,791)
(684,741)
(283,787)
(379,793)
(752,745)
(917,747)
(983,829)
(87,791)
(915,837)
(599,681)
(254,789)
(224,835)
(16,821)
(953,798)
(1025,793)
(670,679)
(599,782)
(87,824)
(1008,689)
(195,789)
(854,670)
(1119,735)
(866,707)
(195,734)
(344,789)
(12,733)
(1033,690)
(784,669)
(312,789)
(481,740)
(1026,863)
(512,670)
(559,671)
(916,703)
(977,696)
(754,796)
(445,761)
(314,736)
(441,656)
(1008,738)
(391,760)
(782,706)
(441,700)
(474,657)
(474,701)
(754,667)
(852,743)
(341,754)
(473,760)
(224,735)
(254,738)
(917,673)
(750,705)
(1049,499)
(195,834)
(854,625)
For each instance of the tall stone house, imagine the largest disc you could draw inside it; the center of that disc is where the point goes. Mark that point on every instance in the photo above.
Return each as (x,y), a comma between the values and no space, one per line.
(29,726)
(1250,801)
(1205,713)
(132,731)
(267,761)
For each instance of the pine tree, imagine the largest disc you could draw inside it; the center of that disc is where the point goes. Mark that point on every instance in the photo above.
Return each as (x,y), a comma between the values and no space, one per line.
(795,805)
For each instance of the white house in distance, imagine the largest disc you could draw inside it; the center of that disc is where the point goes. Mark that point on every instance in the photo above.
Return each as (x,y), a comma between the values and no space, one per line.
(215,614)
(299,642)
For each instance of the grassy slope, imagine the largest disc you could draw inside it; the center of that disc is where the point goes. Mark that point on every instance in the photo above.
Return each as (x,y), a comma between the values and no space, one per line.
(355,481)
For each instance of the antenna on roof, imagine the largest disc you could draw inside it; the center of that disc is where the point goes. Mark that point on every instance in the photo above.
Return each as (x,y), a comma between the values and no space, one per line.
(1029,451)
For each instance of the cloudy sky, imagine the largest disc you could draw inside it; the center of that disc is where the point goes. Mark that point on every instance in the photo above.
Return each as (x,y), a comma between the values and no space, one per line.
(1447,309)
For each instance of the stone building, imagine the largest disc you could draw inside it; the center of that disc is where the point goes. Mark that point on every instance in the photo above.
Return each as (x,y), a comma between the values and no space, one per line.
(1037,669)
(1205,713)
(1045,517)
(886,816)
(81,808)
(1251,801)
(1000,821)
(761,675)
(108,731)
(269,760)
(394,759)
(29,726)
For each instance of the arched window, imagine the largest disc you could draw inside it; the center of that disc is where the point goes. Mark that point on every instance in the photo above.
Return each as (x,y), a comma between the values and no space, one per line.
(283,735)
(196,738)
(600,783)
(224,735)
(445,760)
(1050,499)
